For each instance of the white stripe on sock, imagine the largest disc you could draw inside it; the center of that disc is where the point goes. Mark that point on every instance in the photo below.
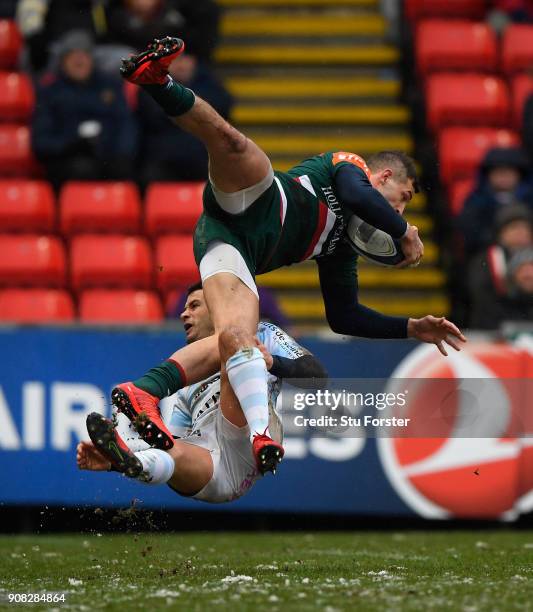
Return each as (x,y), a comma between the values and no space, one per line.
(247,375)
(158,466)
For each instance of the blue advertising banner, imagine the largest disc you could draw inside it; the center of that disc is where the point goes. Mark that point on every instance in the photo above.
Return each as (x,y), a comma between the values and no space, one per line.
(51,378)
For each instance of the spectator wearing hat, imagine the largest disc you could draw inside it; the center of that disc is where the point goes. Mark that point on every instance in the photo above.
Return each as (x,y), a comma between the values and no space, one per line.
(504,179)
(504,12)
(490,274)
(43,22)
(82,127)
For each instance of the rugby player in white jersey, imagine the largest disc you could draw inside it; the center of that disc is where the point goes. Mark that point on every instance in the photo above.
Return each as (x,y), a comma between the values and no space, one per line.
(212,457)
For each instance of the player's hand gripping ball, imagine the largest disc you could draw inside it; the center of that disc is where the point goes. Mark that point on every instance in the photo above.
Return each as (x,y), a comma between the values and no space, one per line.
(373,244)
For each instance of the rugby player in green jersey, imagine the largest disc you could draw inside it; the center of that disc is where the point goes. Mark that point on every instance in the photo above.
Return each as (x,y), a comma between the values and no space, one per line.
(256,220)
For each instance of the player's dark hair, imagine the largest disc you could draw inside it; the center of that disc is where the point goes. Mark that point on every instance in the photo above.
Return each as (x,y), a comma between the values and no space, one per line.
(192,288)
(397,160)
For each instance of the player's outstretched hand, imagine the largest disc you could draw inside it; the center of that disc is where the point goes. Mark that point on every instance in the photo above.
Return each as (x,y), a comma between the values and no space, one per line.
(436,330)
(88,458)
(412,248)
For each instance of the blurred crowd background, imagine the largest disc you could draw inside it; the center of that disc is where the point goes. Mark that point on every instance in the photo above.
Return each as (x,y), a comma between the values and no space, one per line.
(99,193)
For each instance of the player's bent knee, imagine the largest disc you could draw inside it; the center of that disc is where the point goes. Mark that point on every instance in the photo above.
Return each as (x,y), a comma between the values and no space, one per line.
(231,339)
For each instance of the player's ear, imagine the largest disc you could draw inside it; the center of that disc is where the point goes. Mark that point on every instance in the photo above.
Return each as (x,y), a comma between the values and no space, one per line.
(386,174)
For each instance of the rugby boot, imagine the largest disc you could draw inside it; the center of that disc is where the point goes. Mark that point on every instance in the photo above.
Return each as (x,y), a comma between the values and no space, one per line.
(108,442)
(267,453)
(151,66)
(142,410)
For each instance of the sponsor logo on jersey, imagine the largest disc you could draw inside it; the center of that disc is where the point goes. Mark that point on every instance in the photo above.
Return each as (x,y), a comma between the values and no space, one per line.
(204,386)
(338,229)
(490,475)
(351,158)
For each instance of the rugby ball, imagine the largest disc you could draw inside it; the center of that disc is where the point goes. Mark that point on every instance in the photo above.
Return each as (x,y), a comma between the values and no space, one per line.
(373,244)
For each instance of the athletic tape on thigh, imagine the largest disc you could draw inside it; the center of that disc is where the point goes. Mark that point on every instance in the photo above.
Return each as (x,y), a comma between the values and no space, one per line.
(222,257)
(238,202)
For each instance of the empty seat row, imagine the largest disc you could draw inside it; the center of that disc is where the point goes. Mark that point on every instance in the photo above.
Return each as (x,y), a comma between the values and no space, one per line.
(17,98)
(95,306)
(86,207)
(476,99)
(28,260)
(465,45)
(10,44)
(16,156)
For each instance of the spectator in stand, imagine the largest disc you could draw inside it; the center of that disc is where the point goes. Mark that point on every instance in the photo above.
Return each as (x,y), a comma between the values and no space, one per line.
(134,23)
(504,12)
(520,307)
(491,293)
(82,128)
(170,154)
(8,9)
(504,179)
(43,22)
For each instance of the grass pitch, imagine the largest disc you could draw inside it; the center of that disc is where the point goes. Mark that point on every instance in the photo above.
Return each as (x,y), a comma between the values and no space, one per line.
(455,570)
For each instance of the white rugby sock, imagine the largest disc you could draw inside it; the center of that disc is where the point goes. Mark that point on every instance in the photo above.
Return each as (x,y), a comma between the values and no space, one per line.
(158,466)
(247,375)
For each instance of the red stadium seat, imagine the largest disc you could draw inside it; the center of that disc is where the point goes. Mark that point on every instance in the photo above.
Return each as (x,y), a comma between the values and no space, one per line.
(110,261)
(36,305)
(32,260)
(16,158)
(99,207)
(175,262)
(173,207)
(462,149)
(517,48)
(10,44)
(16,97)
(466,99)
(465,9)
(119,306)
(459,190)
(522,88)
(455,45)
(26,206)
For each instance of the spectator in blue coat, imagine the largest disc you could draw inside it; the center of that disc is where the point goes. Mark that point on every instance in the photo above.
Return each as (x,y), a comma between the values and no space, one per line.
(504,179)
(168,153)
(82,127)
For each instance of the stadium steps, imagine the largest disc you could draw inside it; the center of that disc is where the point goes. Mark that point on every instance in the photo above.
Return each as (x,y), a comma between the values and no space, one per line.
(303,143)
(246,114)
(346,87)
(275,4)
(297,55)
(307,308)
(370,277)
(311,76)
(283,24)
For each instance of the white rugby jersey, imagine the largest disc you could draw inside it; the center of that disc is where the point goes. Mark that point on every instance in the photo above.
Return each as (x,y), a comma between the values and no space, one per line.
(185,411)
